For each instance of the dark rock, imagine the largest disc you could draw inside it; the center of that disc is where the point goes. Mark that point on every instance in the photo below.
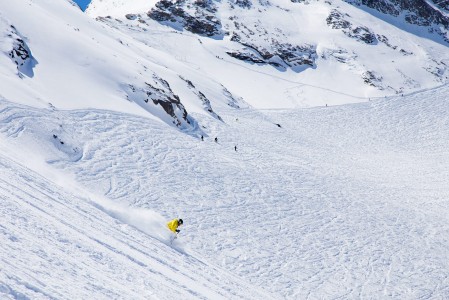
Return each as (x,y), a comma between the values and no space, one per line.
(369,77)
(417,12)
(131,16)
(21,54)
(362,33)
(232,100)
(205,101)
(337,20)
(177,15)
(159,93)
(280,55)
(243,3)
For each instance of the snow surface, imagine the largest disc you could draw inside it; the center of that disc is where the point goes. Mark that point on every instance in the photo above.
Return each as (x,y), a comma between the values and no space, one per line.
(115,8)
(350,203)
(342,202)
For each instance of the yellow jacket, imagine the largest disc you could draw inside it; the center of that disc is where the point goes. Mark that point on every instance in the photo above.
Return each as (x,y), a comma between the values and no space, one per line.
(173,225)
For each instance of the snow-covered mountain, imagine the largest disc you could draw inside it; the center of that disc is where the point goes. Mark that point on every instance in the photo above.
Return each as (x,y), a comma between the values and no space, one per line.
(305,50)
(107,127)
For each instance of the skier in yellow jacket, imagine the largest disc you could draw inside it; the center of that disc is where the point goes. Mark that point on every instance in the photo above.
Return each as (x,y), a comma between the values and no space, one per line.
(174,224)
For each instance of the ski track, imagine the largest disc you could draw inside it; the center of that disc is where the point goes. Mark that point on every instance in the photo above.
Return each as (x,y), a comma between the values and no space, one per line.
(55,245)
(346,202)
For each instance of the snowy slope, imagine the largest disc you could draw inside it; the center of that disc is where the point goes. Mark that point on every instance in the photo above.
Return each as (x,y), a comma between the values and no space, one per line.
(115,8)
(100,68)
(352,203)
(336,202)
(58,244)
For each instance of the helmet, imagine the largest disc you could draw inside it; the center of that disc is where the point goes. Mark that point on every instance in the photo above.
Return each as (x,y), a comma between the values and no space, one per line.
(180,221)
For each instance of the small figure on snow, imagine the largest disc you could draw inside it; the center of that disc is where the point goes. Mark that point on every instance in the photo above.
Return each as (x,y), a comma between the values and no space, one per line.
(235,148)
(174,224)
(202,138)
(216,140)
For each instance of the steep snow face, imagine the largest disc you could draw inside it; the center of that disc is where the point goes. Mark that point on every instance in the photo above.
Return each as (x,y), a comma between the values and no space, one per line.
(115,8)
(301,50)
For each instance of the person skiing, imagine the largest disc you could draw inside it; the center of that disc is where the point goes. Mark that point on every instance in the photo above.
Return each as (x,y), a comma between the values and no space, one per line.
(174,224)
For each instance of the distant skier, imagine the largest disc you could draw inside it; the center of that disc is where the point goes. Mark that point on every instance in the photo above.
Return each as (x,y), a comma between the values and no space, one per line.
(216,140)
(202,138)
(235,148)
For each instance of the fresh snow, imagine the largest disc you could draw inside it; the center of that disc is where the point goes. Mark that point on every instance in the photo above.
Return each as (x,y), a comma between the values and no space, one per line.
(115,8)
(338,202)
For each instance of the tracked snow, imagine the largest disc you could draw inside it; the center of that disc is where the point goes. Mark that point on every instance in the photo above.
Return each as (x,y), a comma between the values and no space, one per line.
(351,203)
(108,127)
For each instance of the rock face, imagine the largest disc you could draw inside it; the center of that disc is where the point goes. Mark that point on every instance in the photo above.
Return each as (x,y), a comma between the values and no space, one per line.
(20,53)
(416,12)
(197,17)
(277,54)
(158,94)
(205,101)
(337,20)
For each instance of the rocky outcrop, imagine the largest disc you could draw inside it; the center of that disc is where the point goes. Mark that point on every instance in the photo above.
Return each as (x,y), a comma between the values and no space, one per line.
(373,79)
(157,95)
(204,100)
(444,5)
(235,102)
(197,17)
(338,20)
(280,55)
(20,53)
(265,46)
(416,12)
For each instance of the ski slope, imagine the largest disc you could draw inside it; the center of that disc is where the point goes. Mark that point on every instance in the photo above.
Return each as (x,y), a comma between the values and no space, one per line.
(59,241)
(340,202)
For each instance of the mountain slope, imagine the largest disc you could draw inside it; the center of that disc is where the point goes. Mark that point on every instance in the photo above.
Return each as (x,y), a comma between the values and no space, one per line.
(59,245)
(100,68)
(349,204)
(100,124)
(307,50)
